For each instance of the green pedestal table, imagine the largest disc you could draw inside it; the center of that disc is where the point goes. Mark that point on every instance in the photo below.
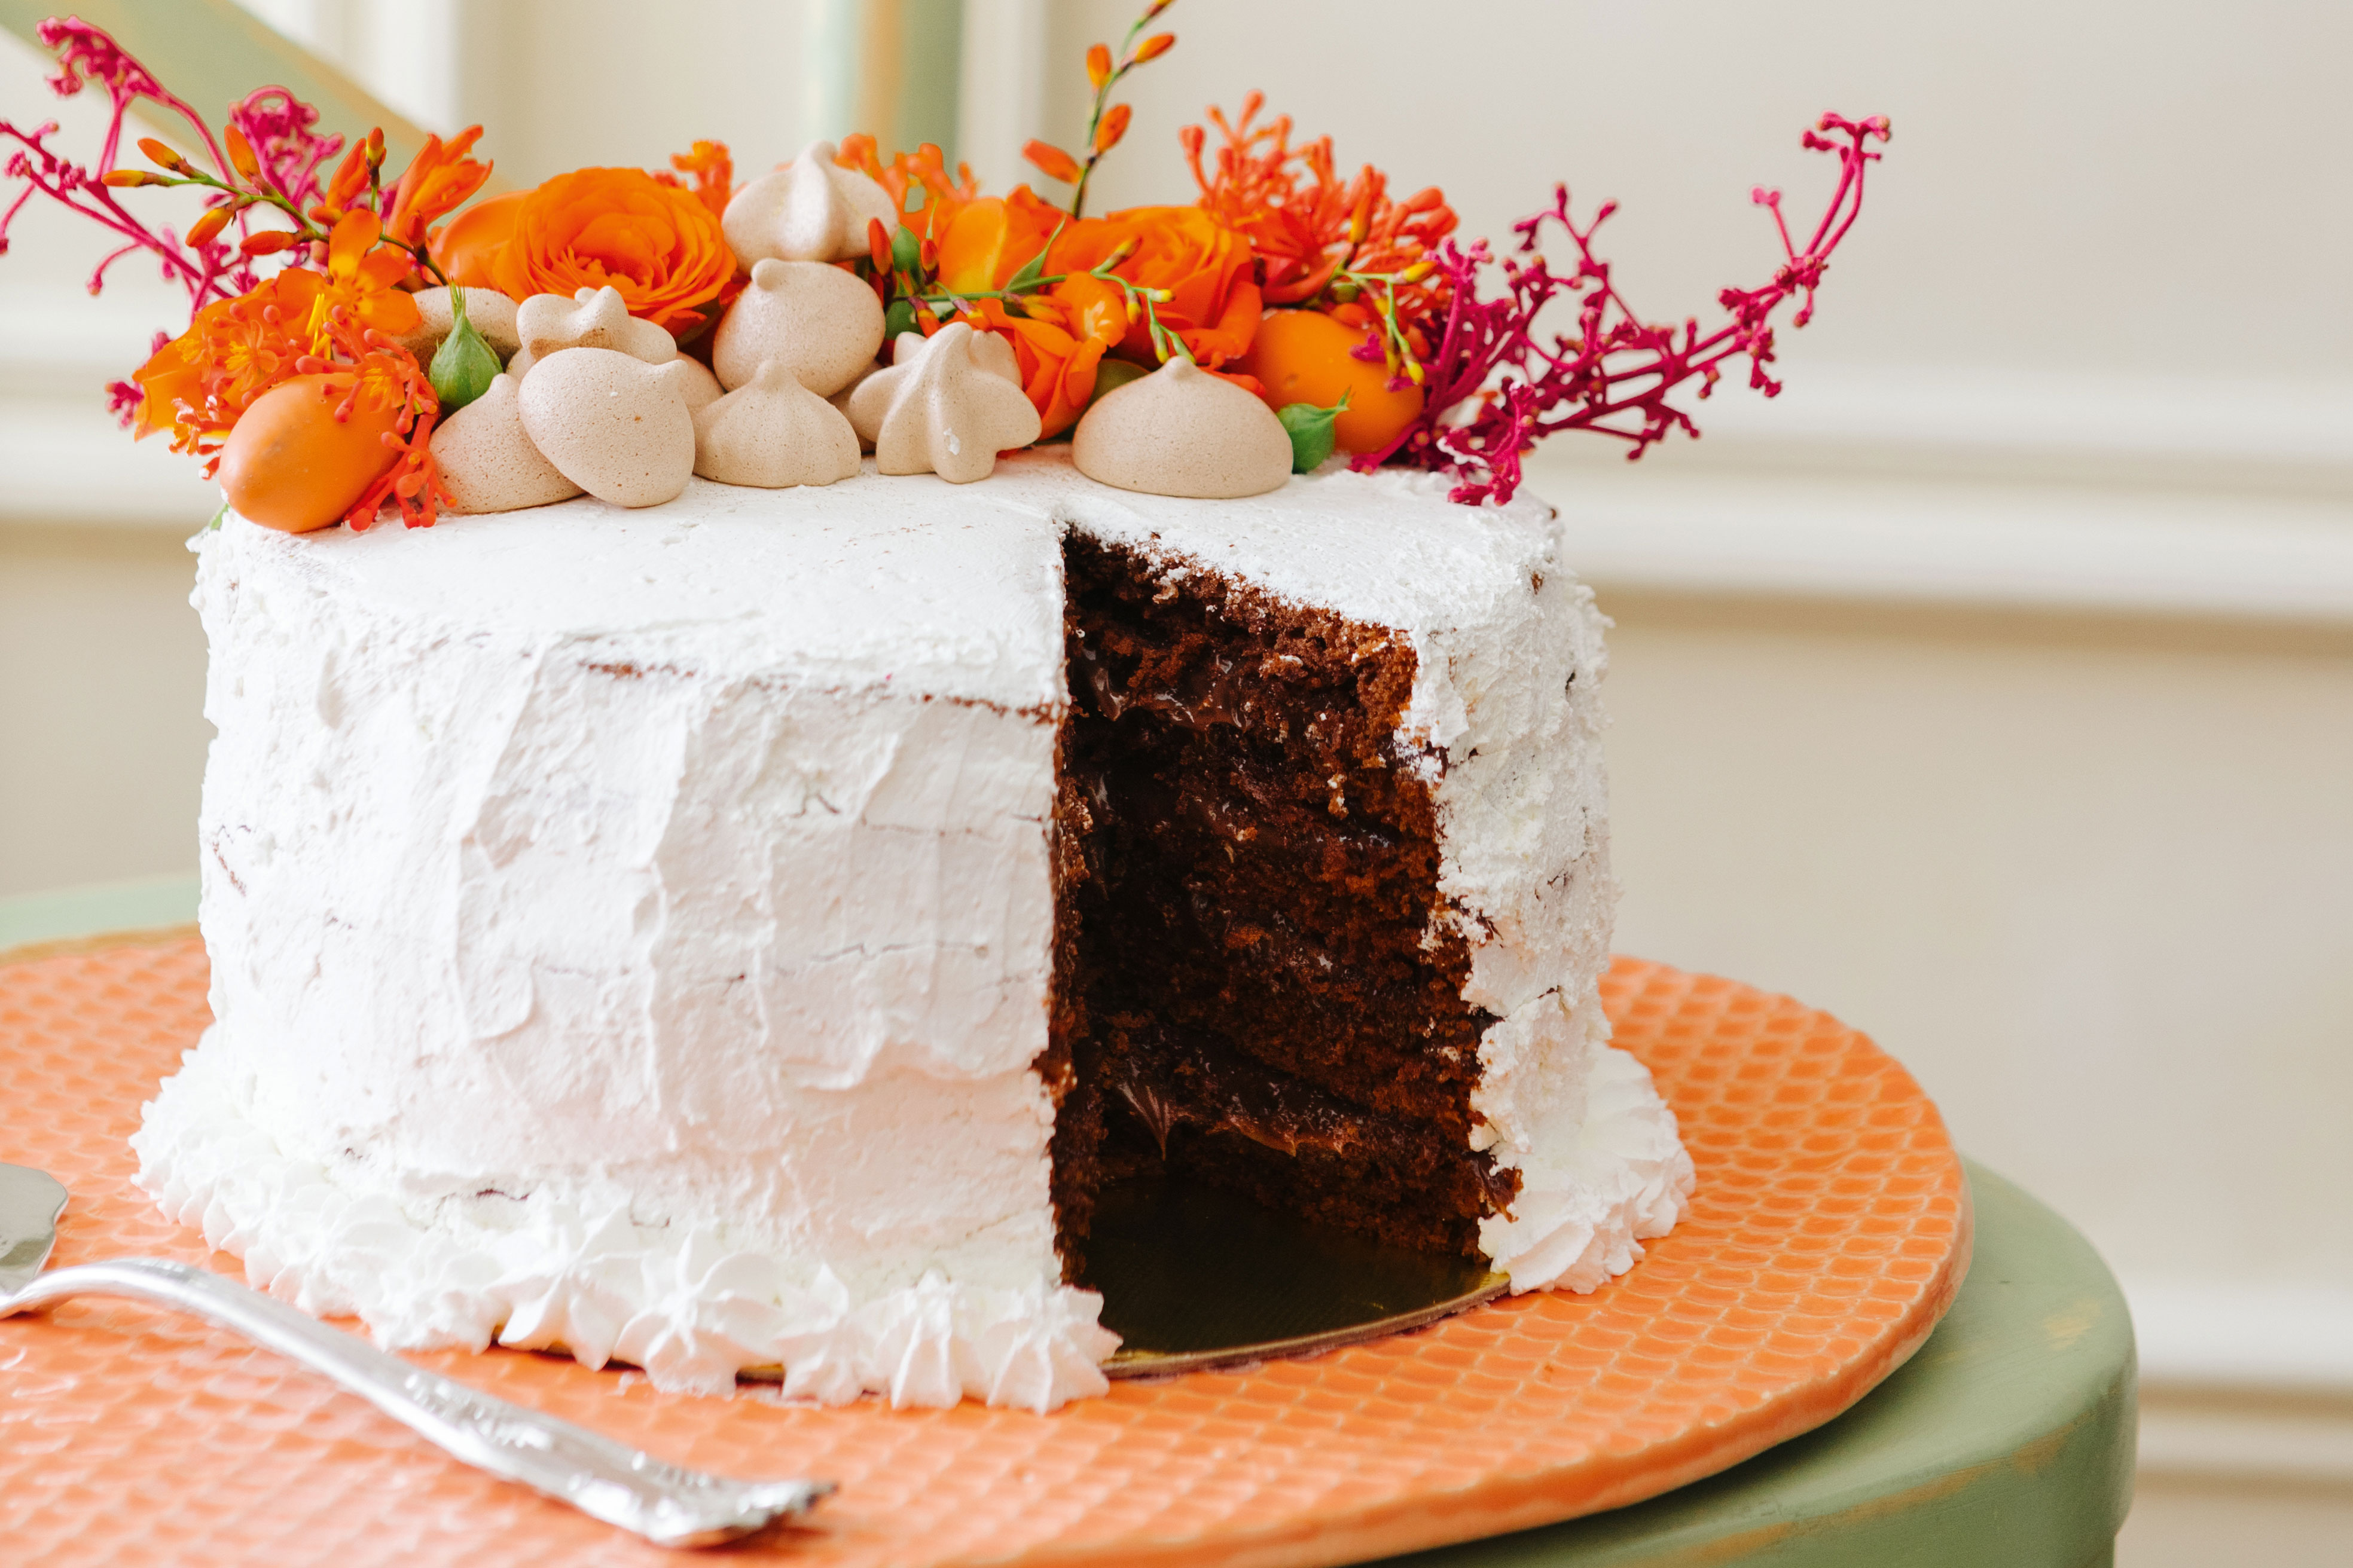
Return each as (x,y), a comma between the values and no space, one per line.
(2006,1442)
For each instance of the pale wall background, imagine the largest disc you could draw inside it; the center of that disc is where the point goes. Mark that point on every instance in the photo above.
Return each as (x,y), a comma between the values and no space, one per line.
(1992,688)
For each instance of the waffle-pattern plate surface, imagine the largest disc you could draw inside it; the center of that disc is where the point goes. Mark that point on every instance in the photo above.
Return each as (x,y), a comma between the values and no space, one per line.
(1829,1232)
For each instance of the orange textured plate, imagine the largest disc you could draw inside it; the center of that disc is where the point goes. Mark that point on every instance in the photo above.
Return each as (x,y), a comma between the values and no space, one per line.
(1830,1231)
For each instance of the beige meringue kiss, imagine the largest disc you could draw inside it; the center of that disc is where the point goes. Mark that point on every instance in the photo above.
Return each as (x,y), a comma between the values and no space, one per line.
(812,209)
(612,424)
(591,319)
(819,322)
(1181,431)
(841,400)
(702,388)
(989,350)
(492,313)
(487,459)
(946,407)
(773,432)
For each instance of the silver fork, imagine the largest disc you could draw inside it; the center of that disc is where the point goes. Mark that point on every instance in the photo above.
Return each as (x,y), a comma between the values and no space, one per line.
(667,1504)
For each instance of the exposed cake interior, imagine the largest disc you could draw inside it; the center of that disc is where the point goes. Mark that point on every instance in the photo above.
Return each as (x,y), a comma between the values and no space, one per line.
(1254,986)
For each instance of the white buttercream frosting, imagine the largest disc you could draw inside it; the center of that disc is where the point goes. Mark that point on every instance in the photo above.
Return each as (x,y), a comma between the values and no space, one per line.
(692,1304)
(631,931)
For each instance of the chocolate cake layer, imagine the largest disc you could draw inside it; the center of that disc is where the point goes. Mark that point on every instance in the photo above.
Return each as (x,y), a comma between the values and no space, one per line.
(1256,988)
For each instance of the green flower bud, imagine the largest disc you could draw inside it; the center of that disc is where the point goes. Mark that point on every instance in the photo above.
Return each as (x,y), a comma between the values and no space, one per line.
(464,365)
(905,249)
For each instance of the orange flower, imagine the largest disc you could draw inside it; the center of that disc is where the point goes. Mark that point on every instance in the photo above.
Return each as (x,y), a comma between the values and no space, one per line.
(362,282)
(1060,342)
(1113,127)
(660,246)
(1305,221)
(712,169)
(439,180)
(921,172)
(1052,161)
(234,351)
(467,247)
(351,178)
(1213,304)
(992,238)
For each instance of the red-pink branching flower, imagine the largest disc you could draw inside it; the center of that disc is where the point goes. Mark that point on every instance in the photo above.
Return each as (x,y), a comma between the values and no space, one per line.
(212,266)
(277,126)
(1494,390)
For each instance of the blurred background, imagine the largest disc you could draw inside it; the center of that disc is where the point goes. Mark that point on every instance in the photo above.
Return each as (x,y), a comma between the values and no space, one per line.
(1992,687)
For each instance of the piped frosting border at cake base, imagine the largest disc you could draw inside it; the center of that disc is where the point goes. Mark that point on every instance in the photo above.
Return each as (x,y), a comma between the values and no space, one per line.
(685,1303)
(694,1310)
(1602,1164)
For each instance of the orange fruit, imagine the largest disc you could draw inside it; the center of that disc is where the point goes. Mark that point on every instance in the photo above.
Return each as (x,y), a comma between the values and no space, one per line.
(1302,356)
(291,464)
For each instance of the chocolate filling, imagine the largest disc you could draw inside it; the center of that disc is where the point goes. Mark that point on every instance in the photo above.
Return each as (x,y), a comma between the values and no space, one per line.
(1253,983)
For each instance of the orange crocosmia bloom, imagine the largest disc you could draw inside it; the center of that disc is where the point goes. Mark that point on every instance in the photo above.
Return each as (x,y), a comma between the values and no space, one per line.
(1060,343)
(440,179)
(362,282)
(660,247)
(1206,267)
(234,351)
(1052,161)
(1113,127)
(922,173)
(349,179)
(993,238)
(712,169)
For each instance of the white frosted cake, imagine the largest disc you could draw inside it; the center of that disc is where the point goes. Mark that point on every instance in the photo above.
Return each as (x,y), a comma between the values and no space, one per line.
(743,933)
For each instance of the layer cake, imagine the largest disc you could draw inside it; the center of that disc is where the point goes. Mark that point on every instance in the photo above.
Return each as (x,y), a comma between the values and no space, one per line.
(745,932)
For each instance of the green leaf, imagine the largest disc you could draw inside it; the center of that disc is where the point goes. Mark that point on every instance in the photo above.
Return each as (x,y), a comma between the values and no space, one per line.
(1033,268)
(900,318)
(1112,374)
(906,251)
(1311,433)
(464,365)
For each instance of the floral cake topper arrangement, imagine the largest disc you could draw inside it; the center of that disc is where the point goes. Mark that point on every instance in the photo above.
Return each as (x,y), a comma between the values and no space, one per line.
(361,341)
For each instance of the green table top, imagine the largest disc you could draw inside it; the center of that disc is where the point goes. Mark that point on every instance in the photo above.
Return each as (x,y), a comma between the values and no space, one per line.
(2006,1442)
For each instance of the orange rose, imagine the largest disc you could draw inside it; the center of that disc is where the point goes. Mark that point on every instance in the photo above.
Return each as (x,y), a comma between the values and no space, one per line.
(1060,343)
(989,241)
(660,246)
(1205,266)
(468,246)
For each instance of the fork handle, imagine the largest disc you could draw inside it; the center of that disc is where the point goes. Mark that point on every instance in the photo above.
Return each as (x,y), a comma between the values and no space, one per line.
(667,1504)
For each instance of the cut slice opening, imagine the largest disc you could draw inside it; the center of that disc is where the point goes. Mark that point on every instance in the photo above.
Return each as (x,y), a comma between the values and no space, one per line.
(1255,985)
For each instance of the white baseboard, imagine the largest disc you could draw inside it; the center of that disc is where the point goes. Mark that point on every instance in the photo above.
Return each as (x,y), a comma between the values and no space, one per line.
(2246,1383)
(2251,1339)
(2236,1443)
